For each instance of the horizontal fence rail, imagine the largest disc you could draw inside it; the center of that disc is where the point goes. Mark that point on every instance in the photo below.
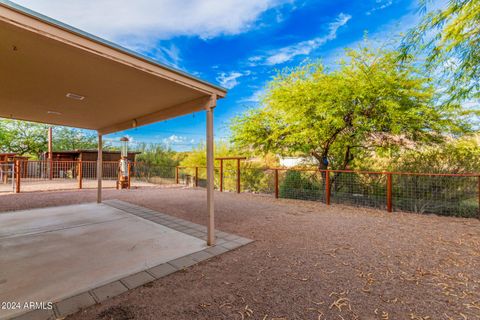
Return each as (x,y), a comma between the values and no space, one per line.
(41,175)
(439,193)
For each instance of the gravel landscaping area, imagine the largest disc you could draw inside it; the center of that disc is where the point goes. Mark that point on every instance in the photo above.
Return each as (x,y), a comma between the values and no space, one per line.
(308,261)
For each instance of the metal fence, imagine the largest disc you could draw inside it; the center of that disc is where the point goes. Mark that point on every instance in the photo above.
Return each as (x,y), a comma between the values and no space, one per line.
(444,194)
(35,175)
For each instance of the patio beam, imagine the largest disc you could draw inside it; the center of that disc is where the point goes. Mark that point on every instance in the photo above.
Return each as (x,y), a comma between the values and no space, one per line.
(210,172)
(181,109)
(99,168)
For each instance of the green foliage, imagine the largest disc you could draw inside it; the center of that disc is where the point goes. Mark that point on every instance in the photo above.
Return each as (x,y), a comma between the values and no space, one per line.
(157,155)
(22,137)
(336,114)
(450,38)
(198,156)
(455,156)
(27,138)
(71,139)
(298,185)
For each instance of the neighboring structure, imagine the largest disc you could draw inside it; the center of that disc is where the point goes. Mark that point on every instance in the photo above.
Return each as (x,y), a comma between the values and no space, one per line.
(11,157)
(87,155)
(291,162)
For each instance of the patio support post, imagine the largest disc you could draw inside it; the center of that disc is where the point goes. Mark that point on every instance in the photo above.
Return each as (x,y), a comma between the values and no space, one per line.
(210,172)
(99,169)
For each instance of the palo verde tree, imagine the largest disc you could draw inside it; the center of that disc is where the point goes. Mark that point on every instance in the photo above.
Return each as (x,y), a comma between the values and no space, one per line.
(449,37)
(339,115)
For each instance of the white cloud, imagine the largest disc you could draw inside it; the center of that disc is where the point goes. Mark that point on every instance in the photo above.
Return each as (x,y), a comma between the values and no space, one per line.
(286,54)
(230,80)
(381,4)
(173,139)
(158,19)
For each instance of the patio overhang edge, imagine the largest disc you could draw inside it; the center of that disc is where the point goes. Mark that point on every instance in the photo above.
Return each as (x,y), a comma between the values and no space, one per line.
(35,22)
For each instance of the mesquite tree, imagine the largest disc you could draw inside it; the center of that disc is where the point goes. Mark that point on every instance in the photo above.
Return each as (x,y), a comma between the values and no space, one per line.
(367,102)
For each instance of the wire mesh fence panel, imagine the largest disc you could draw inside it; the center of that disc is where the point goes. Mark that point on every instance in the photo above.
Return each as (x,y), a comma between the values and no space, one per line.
(439,194)
(229,179)
(359,189)
(7,177)
(302,185)
(257,180)
(154,174)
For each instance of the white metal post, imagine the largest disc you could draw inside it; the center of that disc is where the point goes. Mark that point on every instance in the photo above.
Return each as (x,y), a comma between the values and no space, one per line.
(210,173)
(99,169)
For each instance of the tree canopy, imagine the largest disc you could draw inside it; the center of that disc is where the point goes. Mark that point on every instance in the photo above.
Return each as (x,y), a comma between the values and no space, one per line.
(450,39)
(27,138)
(370,101)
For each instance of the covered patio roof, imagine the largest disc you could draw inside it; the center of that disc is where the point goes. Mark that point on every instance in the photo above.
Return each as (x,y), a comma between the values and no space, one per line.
(53,73)
(56,74)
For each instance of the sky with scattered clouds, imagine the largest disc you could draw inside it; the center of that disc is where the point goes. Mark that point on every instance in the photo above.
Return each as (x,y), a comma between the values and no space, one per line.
(238,44)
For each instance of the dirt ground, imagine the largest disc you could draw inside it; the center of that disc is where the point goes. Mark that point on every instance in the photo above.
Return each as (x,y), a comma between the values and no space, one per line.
(308,261)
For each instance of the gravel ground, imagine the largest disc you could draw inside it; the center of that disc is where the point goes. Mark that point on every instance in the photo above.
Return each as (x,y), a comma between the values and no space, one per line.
(308,261)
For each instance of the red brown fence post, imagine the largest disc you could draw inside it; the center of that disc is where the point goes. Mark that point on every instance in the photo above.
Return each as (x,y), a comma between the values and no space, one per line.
(276,183)
(129,173)
(327,187)
(221,175)
(196,176)
(176,175)
(238,175)
(18,172)
(80,174)
(389,192)
(478,197)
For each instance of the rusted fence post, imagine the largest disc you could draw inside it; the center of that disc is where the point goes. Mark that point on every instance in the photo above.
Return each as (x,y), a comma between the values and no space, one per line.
(238,175)
(80,174)
(196,176)
(276,183)
(389,192)
(176,175)
(18,173)
(221,175)
(327,187)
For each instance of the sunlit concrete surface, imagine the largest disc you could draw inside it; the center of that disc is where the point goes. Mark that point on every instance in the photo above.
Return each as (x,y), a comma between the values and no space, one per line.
(63,184)
(53,253)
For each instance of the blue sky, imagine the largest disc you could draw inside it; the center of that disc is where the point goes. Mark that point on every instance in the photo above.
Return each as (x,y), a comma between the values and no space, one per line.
(239,44)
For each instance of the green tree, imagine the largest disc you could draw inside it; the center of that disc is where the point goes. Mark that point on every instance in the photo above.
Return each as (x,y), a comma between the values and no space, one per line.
(71,139)
(27,138)
(450,38)
(158,155)
(340,114)
(24,138)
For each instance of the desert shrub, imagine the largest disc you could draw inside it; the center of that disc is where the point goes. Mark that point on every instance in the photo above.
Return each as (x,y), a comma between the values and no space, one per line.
(300,185)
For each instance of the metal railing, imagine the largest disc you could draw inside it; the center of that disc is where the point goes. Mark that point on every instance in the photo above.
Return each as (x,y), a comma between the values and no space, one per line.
(444,194)
(38,175)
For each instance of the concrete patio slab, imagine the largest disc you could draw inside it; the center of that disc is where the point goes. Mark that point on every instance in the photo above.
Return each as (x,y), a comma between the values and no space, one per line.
(76,256)
(54,253)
